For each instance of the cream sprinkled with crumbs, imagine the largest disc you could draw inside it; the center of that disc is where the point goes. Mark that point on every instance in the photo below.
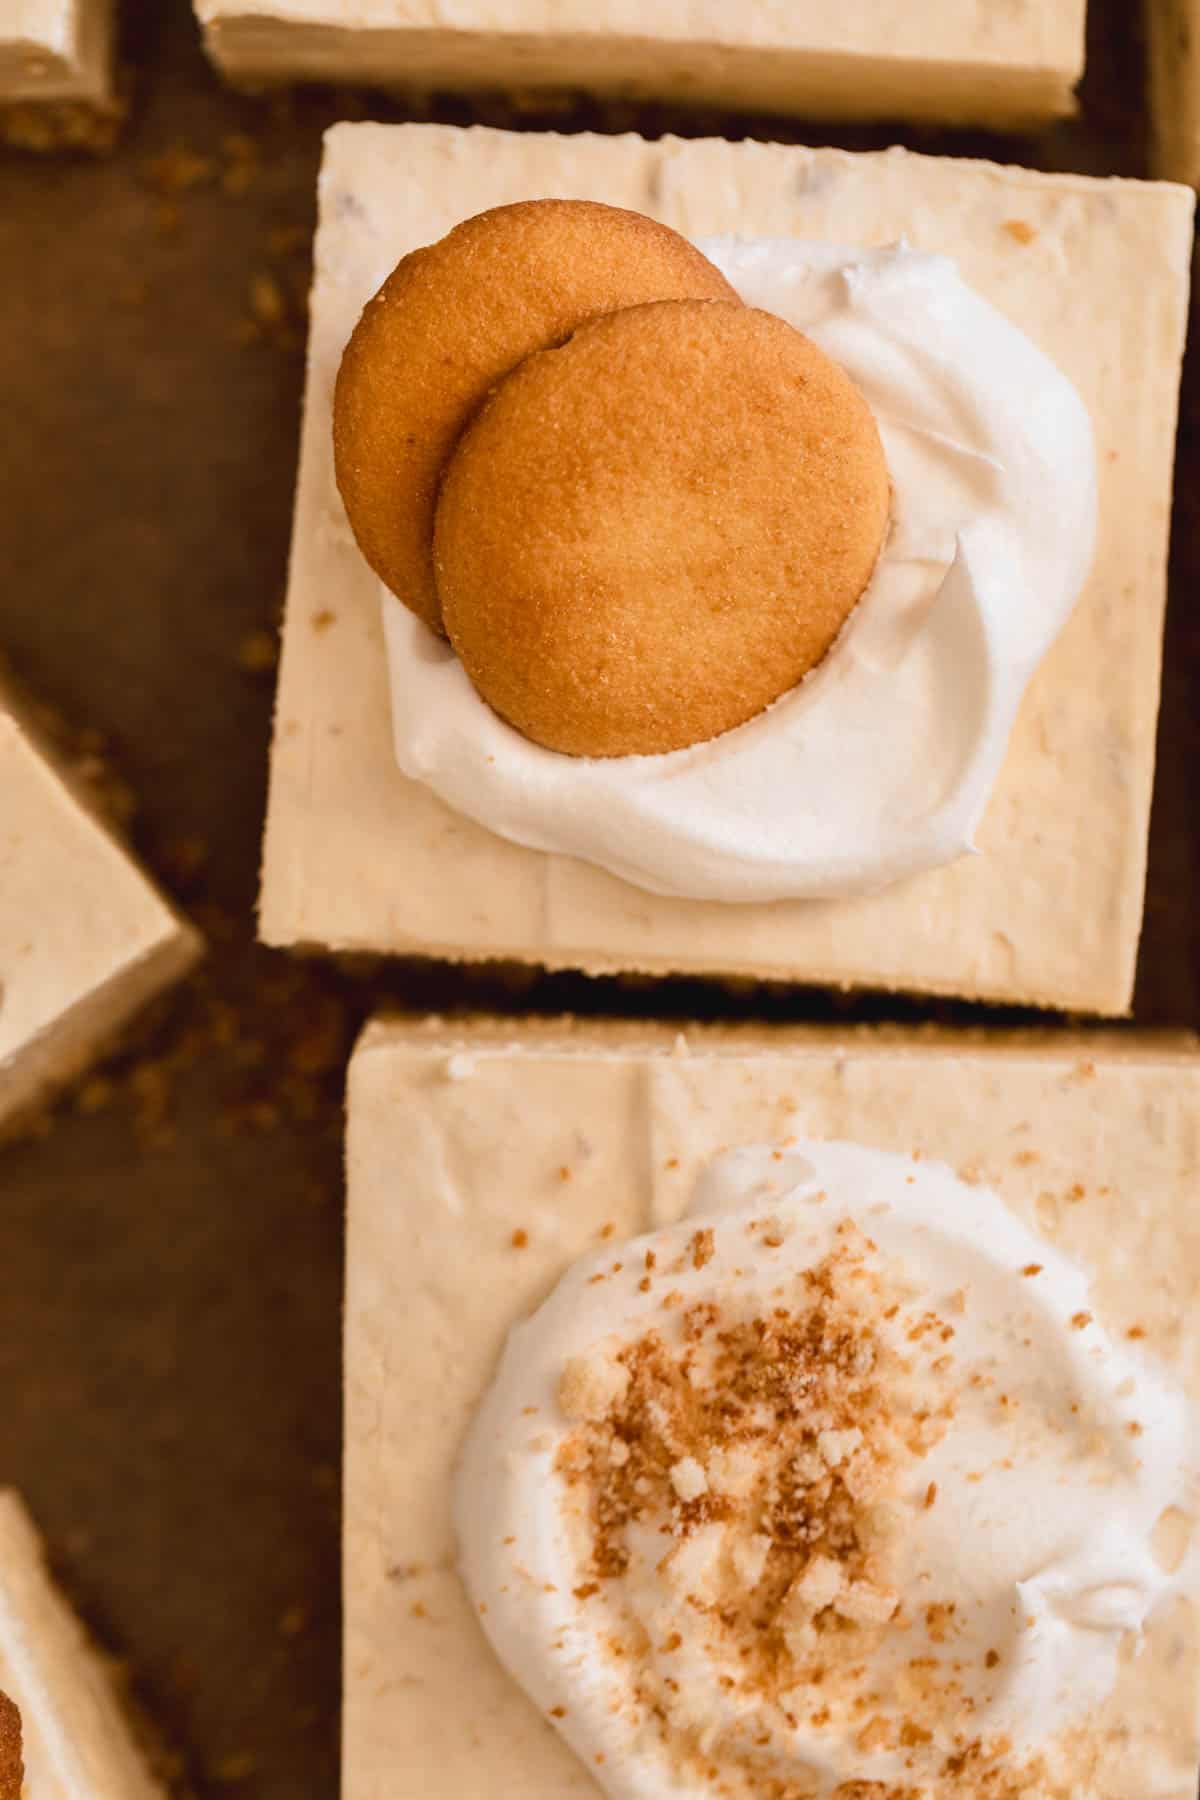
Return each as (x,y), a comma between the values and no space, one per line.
(843,1496)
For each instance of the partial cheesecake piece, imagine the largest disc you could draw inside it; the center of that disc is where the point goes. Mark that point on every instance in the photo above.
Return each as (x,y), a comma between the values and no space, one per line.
(56,50)
(359,858)
(484,1160)
(959,61)
(1174,31)
(85,939)
(76,1742)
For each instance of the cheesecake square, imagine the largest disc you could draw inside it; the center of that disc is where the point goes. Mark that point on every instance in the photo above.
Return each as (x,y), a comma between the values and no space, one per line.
(76,1741)
(986,62)
(484,1158)
(56,50)
(357,858)
(86,940)
(1174,46)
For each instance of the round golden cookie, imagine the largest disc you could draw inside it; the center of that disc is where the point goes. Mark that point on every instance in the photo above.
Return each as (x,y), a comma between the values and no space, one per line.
(454,319)
(648,535)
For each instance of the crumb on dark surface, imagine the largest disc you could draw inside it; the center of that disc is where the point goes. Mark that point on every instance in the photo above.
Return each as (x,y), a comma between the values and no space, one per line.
(11,1766)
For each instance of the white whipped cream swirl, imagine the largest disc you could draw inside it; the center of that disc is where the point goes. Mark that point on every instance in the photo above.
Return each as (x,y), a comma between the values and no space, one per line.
(881,762)
(1028,1529)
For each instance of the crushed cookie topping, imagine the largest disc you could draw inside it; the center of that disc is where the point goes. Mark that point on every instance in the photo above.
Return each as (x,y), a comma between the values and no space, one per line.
(702,1250)
(755,1467)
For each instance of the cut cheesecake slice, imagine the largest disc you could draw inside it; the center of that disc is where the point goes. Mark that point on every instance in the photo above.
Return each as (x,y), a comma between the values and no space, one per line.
(358,858)
(1174,32)
(484,1159)
(979,62)
(56,50)
(85,939)
(76,1743)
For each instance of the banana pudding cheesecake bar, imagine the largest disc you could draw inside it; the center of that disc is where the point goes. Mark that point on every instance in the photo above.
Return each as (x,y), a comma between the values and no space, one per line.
(63,1732)
(728,559)
(85,939)
(984,62)
(56,50)
(766,1413)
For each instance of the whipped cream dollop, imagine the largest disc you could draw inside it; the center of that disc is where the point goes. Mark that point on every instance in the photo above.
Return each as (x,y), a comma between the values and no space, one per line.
(838,1480)
(881,762)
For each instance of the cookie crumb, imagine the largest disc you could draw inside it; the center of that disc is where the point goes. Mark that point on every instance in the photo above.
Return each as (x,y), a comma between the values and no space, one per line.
(590,1387)
(702,1249)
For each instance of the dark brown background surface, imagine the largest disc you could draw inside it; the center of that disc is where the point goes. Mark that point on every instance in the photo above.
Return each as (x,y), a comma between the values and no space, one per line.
(170,1258)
